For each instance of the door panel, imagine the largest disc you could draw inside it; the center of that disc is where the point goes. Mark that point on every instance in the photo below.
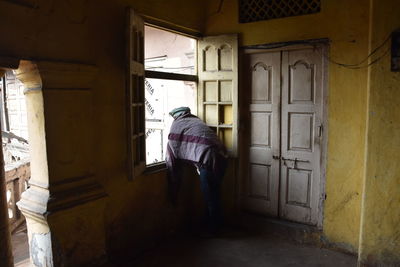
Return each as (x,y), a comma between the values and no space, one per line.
(262,183)
(300,131)
(300,147)
(259,184)
(298,188)
(261,135)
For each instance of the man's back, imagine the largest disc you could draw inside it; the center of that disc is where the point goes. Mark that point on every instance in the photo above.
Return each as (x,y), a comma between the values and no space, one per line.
(192,140)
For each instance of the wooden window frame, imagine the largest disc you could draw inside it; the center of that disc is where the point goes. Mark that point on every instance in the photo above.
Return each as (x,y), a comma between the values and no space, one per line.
(135,93)
(136,142)
(136,75)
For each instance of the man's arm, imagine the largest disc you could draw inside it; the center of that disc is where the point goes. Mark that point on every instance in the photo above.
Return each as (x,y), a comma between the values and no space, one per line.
(173,175)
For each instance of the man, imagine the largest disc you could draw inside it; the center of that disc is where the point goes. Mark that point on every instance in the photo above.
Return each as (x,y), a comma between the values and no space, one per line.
(191,140)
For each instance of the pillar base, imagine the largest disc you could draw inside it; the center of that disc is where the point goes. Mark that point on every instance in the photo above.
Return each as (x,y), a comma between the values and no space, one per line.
(33,205)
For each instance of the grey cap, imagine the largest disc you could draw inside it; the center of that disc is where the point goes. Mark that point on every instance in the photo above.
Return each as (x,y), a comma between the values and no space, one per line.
(179,111)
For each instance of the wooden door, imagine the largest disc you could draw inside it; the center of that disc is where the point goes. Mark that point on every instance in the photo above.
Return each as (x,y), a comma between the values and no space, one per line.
(302,84)
(262,183)
(285,127)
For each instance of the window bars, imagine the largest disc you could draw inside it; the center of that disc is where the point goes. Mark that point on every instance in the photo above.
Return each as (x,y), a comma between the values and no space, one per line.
(256,10)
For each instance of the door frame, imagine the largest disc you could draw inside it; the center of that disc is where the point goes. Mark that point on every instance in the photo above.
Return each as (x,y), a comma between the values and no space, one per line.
(287,46)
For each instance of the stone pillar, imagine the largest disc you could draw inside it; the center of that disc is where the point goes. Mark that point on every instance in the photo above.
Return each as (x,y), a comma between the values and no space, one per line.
(64,205)
(33,203)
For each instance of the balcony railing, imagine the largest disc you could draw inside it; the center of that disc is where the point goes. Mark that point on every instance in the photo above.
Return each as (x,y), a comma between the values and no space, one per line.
(17,176)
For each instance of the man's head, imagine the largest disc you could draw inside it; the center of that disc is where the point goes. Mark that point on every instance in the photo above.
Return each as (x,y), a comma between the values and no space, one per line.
(176,112)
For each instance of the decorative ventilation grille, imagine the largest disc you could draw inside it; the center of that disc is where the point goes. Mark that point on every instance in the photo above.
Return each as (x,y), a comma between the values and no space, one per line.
(255,10)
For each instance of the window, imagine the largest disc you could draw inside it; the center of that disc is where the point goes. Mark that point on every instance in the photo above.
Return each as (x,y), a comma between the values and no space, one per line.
(166,53)
(166,70)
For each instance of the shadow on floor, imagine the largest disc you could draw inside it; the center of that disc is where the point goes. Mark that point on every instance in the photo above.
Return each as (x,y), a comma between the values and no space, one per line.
(242,249)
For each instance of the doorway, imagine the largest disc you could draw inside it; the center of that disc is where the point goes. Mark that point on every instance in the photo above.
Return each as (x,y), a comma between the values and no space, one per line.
(284,132)
(15,148)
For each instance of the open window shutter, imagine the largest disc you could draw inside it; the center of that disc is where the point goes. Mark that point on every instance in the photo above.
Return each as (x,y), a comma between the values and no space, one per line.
(135,94)
(218,87)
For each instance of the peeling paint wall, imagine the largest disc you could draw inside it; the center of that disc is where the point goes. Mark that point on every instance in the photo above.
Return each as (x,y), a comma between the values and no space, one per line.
(40,250)
(345,23)
(380,227)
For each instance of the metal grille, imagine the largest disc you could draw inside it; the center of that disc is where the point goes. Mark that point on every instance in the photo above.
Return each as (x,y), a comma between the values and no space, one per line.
(255,10)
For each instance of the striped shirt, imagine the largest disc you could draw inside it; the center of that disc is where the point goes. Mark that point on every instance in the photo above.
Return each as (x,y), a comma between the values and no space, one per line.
(191,140)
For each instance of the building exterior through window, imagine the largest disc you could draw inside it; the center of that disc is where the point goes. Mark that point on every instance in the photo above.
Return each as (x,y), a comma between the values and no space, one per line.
(169,53)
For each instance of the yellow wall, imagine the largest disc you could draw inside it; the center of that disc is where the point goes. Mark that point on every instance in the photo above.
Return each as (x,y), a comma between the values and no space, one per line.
(380,229)
(345,23)
(137,213)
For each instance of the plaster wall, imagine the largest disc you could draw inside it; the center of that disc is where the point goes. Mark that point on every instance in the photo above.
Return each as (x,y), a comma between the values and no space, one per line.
(380,227)
(345,23)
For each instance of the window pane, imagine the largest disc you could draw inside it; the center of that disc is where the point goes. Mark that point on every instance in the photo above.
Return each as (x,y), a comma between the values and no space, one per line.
(161,97)
(169,52)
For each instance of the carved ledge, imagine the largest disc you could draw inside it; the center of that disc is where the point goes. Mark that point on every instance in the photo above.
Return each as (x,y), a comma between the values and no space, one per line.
(38,202)
(57,75)
(73,192)
(47,75)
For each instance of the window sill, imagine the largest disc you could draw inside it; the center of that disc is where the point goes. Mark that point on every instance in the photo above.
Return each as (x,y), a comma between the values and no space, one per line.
(155,168)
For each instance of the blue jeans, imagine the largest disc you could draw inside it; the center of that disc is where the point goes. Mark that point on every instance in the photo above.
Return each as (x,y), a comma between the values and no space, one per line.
(211,187)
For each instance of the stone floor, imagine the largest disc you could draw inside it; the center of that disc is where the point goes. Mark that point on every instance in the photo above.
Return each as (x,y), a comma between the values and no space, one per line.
(20,247)
(242,249)
(232,248)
